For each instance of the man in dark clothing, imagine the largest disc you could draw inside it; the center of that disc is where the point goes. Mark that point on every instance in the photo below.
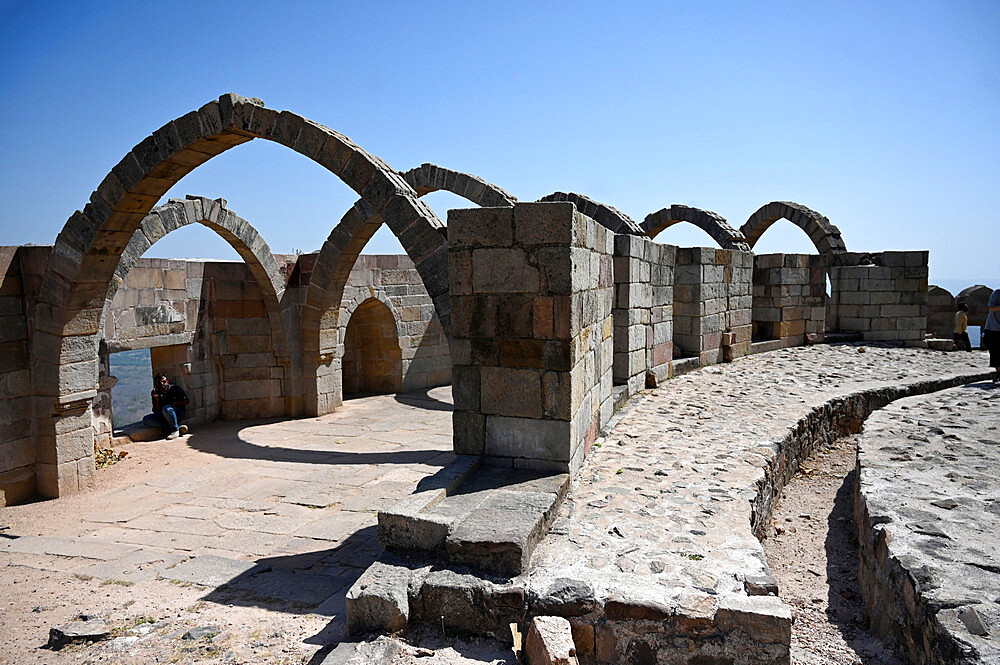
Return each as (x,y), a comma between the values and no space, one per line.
(168,407)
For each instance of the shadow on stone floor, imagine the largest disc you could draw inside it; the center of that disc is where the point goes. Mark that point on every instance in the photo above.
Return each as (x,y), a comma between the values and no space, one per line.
(306,583)
(845,603)
(422,399)
(236,447)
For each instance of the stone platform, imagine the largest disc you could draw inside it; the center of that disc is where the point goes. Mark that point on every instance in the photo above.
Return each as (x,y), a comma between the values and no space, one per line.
(927,509)
(654,552)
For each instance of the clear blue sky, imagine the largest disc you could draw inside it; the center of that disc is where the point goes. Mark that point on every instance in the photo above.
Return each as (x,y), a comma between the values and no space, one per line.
(884,116)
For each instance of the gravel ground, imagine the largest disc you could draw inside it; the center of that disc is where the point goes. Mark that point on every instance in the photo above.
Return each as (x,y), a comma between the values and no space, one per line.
(811,549)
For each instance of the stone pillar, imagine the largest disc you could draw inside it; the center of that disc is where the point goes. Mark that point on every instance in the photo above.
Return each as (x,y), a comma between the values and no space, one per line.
(643,312)
(631,313)
(711,297)
(531,294)
(660,344)
(789,298)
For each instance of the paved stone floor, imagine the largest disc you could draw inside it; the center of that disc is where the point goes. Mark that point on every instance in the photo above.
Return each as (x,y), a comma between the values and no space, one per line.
(284,512)
(660,515)
(280,512)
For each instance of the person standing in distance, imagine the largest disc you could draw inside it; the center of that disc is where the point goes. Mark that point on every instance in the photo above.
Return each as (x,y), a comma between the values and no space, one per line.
(991,333)
(168,407)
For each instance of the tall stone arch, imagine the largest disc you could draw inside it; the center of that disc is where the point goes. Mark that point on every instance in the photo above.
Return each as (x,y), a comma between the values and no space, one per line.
(322,327)
(711,223)
(823,234)
(87,252)
(428,178)
(605,215)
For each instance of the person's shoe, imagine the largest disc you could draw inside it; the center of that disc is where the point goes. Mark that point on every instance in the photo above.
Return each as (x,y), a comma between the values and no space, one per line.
(173,435)
(183,430)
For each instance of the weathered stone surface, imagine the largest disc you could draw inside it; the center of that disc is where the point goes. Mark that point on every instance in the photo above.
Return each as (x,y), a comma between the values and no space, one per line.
(379,600)
(564,597)
(211,570)
(550,642)
(927,514)
(87,630)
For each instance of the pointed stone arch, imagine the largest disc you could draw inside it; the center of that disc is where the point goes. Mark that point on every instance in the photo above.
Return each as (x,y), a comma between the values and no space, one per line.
(428,178)
(322,329)
(710,222)
(87,252)
(823,234)
(605,215)
(245,240)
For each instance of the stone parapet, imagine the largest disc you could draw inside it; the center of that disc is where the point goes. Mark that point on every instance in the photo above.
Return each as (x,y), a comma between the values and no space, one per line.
(927,510)
(531,293)
(882,296)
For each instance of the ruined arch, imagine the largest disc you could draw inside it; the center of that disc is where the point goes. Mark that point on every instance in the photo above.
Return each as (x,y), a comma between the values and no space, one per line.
(823,234)
(371,333)
(428,178)
(605,215)
(711,223)
(87,251)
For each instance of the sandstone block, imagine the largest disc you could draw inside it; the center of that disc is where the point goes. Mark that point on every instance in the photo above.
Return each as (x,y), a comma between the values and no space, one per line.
(379,600)
(550,642)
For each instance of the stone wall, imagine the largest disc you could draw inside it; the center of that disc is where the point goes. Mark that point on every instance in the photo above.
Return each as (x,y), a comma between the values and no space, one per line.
(17,447)
(392,279)
(940,312)
(712,296)
(881,296)
(643,312)
(789,297)
(532,293)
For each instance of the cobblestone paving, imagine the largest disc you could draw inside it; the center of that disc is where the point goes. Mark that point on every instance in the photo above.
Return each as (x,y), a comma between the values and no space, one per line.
(931,497)
(661,511)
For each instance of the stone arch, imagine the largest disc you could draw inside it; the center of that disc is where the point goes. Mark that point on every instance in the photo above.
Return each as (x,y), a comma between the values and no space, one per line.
(244,239)
(605,215)
(823,234)
(214,214)
(87,250)
(380,370)
(321,329)
(711,223)
(428,178)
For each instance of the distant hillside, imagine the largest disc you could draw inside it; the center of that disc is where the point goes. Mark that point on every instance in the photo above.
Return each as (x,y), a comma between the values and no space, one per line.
(130,396)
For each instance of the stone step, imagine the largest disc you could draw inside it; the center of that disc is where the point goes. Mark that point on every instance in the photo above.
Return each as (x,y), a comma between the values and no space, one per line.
(487,518)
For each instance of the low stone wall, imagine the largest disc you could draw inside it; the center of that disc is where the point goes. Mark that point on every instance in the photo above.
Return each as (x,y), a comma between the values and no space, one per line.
(927,510)
(789,298)
(883,296)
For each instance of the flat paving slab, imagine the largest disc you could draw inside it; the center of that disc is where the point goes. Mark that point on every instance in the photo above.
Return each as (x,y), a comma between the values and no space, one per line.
(268,523)
(928,513)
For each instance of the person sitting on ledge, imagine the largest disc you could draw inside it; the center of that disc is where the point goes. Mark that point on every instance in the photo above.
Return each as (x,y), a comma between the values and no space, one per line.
(168,407)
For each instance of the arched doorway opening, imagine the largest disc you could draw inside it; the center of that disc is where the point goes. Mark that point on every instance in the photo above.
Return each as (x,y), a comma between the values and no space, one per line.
(373,360)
